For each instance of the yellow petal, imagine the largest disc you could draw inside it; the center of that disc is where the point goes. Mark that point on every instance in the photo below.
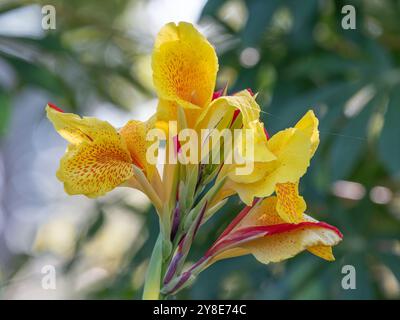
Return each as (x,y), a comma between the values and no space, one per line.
(254,145)
(184,66)
(253,149)
(250,115)
(75,130)
(242,100)
(264,214)
(290,205)
(168,33)
(230,253)
(212,115)
(134,133)
(249,108)
(324,252)
(309,124)
(168,111)
(96,161)
(94,169)
(292,150)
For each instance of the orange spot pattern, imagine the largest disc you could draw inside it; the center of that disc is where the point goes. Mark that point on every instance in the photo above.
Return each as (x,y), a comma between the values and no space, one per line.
(182,77)
(97,159)
(290,205)
(134,134)
(95,168)
(267,214)
(184,66)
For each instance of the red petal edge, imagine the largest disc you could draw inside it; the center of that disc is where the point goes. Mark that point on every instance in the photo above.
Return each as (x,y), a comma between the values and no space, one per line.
(250,91)
(53,106)
(237,219)
(217,94)
(265,231)
(177,144)
(266,133)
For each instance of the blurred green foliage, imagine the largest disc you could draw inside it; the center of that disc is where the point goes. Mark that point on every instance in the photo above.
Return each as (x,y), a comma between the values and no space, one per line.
(350,78)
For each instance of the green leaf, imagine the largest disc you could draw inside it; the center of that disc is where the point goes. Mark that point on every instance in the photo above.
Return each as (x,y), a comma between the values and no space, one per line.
(5,110)
(392,262)
(260,13)
(211,7)
(389,142)
(349,143)
(303,12)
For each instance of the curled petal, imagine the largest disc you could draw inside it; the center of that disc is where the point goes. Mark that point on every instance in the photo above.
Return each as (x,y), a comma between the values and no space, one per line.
(225,107)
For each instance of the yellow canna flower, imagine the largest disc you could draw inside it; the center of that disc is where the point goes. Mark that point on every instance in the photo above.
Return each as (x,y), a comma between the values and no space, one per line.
(99,158)
(184,67)
(259,230)
(293,149)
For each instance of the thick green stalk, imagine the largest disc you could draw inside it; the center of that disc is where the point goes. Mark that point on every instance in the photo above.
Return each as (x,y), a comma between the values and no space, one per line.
(153,280)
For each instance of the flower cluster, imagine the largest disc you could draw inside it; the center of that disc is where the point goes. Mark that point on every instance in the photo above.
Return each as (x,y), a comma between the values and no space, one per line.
(273,225)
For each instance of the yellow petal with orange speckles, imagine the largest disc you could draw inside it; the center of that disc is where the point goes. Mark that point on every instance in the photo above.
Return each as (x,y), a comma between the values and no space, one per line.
(264,214)
(184,66)
(290,205)
(134,133)
(96,161)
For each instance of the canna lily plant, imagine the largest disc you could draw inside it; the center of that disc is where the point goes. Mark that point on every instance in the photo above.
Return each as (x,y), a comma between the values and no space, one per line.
(263,171)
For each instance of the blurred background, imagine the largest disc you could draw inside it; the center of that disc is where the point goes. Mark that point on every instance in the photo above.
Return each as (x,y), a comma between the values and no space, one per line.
(294,53)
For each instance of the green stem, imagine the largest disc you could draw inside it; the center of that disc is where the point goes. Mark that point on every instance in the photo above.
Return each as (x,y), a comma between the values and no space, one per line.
(153,280)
